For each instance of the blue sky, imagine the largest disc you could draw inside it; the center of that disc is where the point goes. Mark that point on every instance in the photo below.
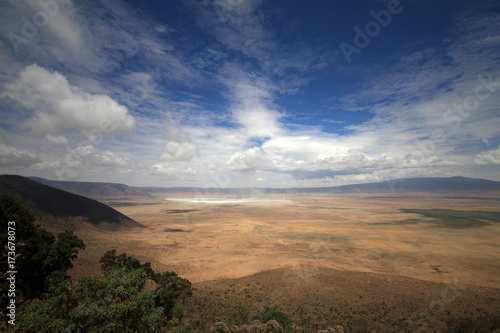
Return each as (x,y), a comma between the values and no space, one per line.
(254,93)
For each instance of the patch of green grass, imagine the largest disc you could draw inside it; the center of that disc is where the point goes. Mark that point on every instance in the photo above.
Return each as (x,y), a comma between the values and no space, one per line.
(457,218)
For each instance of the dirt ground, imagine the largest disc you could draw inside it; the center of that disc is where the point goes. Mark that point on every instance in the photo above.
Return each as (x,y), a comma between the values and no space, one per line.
(320,257)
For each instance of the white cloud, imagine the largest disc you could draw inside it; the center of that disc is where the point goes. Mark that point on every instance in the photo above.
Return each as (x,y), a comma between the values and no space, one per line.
(179,151)
(59,106)
(250,160)
(90,154)
(179,146)
(333,121)
(82,162)
(292,150)
(252,105)
(488,157)
(13,157)
(57,139)
(109,159)
(176,175)
(162,169)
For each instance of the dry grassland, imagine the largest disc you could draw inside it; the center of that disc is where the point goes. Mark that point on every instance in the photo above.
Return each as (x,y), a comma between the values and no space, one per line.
(321,257)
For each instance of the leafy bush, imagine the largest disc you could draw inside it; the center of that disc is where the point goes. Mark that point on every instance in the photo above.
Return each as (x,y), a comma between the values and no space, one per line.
(170,287)
(116,301)
(238,315)
(271,313)
(112,302)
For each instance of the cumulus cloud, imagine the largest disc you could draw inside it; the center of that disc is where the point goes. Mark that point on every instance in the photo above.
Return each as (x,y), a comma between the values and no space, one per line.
(179,151)
(109,159)
(325,159)
(161,169)
(90,154)
(179,146)
(59,106)
(85,160)
(488,157)
(301,148)
(250,160)
(11,156)
(173,173)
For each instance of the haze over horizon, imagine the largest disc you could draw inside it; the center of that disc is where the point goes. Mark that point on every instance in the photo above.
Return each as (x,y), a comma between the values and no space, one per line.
(236,93)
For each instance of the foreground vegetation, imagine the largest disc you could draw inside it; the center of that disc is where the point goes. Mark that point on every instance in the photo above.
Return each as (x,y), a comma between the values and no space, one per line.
(42,258)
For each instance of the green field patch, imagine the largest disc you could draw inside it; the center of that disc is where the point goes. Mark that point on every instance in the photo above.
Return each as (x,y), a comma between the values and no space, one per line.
(457,218)
(181,211)
(176,230)
(398,222)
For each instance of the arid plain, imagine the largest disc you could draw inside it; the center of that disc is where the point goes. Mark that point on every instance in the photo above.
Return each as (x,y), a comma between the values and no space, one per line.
(333,256)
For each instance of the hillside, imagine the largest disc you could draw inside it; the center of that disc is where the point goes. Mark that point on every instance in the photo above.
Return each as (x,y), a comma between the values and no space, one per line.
(94,190)
(48,200)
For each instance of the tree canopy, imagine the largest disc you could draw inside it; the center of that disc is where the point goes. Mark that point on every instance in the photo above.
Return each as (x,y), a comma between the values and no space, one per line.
(40,256)
(115,301)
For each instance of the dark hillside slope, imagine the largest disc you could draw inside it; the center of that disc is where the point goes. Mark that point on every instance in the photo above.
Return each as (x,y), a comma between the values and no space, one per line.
(94,190)
(58,203)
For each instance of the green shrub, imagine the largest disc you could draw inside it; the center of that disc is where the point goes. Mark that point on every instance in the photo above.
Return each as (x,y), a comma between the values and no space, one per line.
(238,315)
(112,302)
(170,287)
(271,313)
(116,301)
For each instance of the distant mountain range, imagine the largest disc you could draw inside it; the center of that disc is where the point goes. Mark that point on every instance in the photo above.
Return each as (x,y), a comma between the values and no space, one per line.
(44,199)
(458,185)
(434,185)
(94,190)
